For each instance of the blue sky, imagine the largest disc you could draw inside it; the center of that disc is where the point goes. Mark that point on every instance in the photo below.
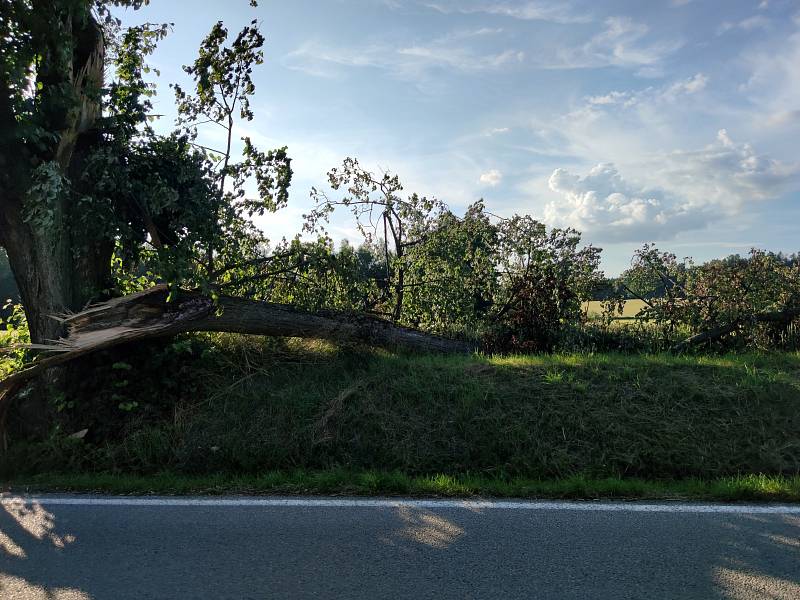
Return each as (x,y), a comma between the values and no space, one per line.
(674,121)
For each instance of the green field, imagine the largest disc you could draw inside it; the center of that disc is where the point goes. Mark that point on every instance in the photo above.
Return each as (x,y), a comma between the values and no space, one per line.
(630,310)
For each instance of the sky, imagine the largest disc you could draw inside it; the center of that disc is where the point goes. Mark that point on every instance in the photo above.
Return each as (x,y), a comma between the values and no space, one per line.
(667,121)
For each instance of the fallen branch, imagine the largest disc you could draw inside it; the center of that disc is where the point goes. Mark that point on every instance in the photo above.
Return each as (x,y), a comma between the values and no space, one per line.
(779,316)
(706,336)
(148,315)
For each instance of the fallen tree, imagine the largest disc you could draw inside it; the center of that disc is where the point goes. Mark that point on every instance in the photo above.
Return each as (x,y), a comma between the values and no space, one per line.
(150,314)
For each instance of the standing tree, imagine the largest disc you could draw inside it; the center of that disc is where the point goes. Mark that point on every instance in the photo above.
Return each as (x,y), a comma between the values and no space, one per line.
(52,57)
(84,178)
(90,195)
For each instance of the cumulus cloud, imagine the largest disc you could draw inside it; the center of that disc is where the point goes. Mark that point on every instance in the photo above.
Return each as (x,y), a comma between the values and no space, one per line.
(608,208)
(686,191)
(491,178)
(727,174)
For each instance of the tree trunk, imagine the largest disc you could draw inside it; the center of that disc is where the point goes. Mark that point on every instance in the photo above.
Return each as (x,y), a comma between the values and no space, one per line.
(38,263)
(54,275)
(42,269)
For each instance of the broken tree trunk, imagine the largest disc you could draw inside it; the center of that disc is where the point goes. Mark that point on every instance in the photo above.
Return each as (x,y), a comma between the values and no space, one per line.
(148,315)
(786,316)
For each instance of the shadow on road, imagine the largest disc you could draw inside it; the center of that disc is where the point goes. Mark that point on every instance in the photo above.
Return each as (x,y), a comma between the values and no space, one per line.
(760,558)
(28,532)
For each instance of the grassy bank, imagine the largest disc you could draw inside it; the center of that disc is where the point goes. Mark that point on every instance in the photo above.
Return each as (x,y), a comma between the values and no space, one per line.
(235,408)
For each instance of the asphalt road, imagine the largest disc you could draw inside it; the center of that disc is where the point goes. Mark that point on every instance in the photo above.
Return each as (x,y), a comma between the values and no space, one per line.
(66,548)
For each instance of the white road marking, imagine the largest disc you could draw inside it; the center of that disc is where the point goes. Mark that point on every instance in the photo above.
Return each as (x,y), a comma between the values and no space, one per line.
(675,507)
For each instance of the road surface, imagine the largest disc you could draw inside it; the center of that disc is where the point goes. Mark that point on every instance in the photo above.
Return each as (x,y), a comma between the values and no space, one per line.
(85,547)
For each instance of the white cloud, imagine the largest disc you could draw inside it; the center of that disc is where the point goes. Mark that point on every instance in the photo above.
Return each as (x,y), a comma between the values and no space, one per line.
(607,208)
(619,44)
(685,87)
(473,33)
(623,42)
(727,174)
(619,125)
(491,178)
(558,11)
(694,84)
(686,190)
(497,131)
(318,60)
(784,118)
(408,62)
(423,57)
(614,97)
(748,24)
(773,85)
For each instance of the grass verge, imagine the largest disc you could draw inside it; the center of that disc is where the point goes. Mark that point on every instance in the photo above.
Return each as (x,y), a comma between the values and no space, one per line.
(225,406)
(744,488)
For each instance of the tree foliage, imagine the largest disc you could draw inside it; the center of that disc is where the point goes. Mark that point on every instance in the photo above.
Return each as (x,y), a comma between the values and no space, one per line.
(512,282)
(751,301)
